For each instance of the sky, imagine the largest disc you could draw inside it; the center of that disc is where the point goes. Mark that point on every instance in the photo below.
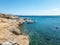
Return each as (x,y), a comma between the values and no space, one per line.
(30,7)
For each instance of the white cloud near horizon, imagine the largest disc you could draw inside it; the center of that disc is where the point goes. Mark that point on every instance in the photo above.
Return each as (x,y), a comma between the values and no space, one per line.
(55,11)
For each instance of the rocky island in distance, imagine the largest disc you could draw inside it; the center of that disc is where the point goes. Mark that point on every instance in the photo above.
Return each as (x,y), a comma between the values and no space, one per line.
(10,33)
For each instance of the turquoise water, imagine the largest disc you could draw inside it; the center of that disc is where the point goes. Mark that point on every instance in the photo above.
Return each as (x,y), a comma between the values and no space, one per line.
(45,30)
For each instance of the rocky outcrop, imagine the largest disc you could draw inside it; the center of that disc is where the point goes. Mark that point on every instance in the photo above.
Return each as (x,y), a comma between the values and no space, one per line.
(8,16)
(28,20)
(10,33)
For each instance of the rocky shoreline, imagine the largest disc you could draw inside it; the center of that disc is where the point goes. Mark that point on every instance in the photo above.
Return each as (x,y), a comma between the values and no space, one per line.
(10,33)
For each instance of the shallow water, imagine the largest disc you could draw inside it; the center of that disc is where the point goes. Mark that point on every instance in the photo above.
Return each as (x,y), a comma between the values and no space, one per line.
(45,30)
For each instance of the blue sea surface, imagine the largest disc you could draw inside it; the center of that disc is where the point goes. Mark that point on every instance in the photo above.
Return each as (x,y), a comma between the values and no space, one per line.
(45,30)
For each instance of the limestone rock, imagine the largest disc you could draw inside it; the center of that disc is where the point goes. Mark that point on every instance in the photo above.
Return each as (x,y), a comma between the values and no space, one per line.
(10,32)
(8,16)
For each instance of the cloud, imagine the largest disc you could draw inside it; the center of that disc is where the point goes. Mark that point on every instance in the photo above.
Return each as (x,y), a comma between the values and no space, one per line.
(55,11)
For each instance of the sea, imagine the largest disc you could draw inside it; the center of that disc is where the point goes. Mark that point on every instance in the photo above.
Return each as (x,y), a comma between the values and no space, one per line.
(44,31)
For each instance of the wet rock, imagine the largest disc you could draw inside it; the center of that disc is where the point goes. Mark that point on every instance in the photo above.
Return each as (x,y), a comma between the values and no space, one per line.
(29,20)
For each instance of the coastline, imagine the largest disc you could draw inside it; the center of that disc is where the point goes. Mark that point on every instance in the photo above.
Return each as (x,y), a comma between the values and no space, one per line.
(10,32)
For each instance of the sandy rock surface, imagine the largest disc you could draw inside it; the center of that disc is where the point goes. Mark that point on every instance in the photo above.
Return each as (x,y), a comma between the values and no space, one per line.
(10,34)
